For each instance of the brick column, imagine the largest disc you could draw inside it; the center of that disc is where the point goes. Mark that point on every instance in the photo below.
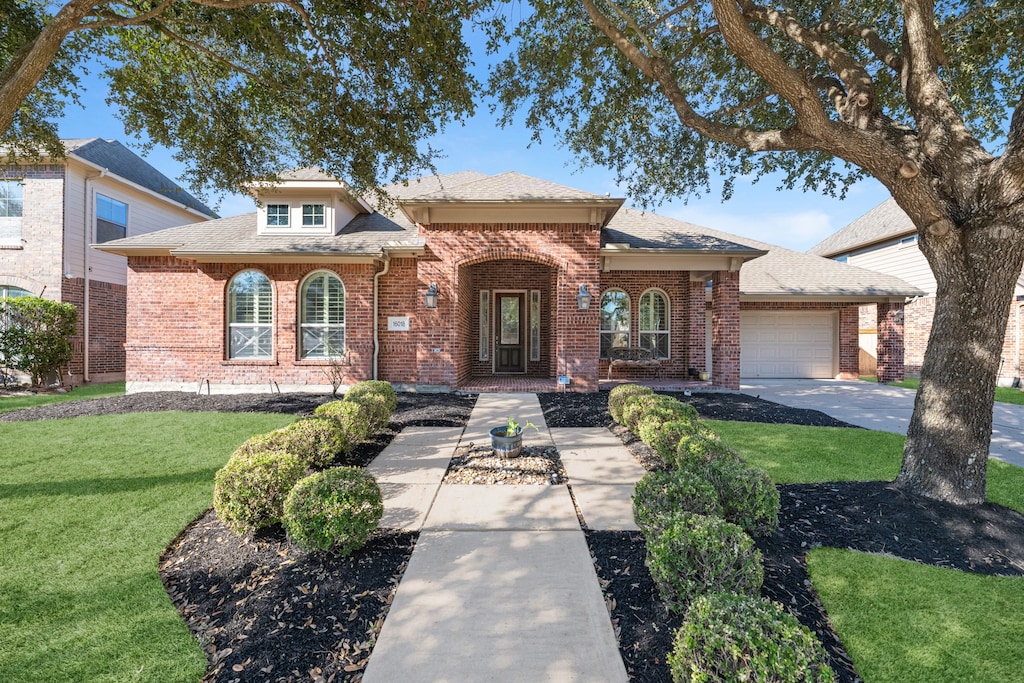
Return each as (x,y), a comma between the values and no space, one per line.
(725,329)
(696,326)
(890,342)
(849,342)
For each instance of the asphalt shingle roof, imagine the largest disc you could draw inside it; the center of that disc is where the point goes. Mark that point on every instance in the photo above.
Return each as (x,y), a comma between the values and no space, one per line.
(885,221)
(780,272)
(118,159)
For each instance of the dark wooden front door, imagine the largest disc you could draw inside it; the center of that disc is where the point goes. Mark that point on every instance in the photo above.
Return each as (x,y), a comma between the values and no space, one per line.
(510,333)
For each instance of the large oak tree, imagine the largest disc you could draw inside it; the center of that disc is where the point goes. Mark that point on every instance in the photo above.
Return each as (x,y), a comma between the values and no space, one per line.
(245,88)
(915,93)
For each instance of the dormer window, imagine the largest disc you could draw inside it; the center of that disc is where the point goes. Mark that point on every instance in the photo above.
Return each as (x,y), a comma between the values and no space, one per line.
(312,215)
(277,215)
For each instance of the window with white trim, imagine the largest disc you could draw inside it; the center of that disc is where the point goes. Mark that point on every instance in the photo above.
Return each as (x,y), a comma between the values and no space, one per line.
(654,317)
(322,316)
(277,215)
(485,325)
(250,316)
(10,292)
(614,320)
(534,324)
(11,206)
(111,219)
(312,215)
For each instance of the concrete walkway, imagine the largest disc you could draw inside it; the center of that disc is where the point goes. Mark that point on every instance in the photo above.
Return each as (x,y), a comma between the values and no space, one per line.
(501,585)
(882,407)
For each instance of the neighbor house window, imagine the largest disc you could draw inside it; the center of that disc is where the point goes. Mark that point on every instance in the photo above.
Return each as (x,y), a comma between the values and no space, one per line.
(8,292)
(111,219)
(614,320)
(277,215)
(322,316)
(250,316)
(11,205)
(654,322)
(312,215)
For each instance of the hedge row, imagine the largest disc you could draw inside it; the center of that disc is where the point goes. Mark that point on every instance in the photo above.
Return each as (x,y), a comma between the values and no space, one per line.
(697,516)
(265,481)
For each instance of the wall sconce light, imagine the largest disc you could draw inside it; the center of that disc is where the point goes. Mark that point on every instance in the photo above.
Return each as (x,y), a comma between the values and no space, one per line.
(430,297)
(583,298)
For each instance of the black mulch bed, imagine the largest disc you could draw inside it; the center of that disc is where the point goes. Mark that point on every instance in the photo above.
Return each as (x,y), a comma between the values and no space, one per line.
(591,410)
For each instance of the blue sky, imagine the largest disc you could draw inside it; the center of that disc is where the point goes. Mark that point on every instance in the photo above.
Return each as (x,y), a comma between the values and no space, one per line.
(792,219)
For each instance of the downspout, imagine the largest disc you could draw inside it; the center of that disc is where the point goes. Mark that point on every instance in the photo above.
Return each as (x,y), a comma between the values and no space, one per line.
(88,203)
(376,303)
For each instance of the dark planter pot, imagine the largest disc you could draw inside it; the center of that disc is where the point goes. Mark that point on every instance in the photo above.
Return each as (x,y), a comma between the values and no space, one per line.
(506,446)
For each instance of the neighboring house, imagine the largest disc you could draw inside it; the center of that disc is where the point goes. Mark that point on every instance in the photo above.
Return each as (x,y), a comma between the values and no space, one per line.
(480,281)
(884,239)
(51,211)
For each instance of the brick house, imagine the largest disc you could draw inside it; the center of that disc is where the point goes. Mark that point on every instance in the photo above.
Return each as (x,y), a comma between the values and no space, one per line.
(477,281)
(885,239)
(51,211)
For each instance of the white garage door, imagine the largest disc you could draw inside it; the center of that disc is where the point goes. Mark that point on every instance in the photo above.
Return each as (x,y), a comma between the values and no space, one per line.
(787,344)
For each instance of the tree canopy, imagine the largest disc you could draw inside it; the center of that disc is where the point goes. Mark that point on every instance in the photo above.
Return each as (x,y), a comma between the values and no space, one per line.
(246,88)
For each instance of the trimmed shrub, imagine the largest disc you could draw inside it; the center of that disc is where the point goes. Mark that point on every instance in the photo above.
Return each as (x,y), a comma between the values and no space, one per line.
(729,637)
(316,441)
(637,408)
(746,494)
(249,492)
(699,554)
(659,496)
(617,398)
(375,409)
(664,437)
(377,387)
(696,450)
(335,509)
(351,417)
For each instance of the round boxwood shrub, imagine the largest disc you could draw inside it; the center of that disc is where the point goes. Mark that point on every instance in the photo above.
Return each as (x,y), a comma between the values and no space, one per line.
(316,441)
(376,387)
(637,408)
(729,637)
(617,398)
(336,509)
(746,494)
(249,492)
(351,418)
(664,437)
(659,496)
(696,450)
(699,554)
(375,407)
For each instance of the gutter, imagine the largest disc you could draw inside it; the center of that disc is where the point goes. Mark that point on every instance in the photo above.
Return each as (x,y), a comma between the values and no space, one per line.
(376,303)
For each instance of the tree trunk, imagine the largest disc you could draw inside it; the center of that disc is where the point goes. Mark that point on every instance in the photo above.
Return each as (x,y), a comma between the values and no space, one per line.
(948,438)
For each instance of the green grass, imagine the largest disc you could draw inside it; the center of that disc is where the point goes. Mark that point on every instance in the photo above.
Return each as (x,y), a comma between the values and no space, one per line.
(9,403)
(794,454)
(1003,394)
(900,621)
(86,507)
(907,622)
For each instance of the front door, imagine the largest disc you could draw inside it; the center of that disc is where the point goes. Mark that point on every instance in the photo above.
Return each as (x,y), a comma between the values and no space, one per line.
(509,333)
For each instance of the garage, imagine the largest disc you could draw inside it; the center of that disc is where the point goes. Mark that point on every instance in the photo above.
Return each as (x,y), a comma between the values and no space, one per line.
(787,344)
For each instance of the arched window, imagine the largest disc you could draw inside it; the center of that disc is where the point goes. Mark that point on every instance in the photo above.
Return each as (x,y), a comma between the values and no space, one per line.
(250,316)
(614,320)
(12,292)
(654,332)
(322,316)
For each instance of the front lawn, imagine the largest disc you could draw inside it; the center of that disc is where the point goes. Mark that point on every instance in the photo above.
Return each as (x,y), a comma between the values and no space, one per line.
(1003,394)
(9,403)
(899,620)
(87,506)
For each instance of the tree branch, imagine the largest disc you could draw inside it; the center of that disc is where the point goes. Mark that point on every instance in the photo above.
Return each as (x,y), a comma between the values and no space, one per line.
(882,50)
(787,82)
(668,15)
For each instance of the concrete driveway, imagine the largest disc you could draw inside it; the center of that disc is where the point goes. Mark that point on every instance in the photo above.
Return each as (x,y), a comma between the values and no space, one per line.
(882,407)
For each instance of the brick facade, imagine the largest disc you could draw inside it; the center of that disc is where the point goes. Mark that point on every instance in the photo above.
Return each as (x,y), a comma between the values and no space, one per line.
(108,304)
(890,342)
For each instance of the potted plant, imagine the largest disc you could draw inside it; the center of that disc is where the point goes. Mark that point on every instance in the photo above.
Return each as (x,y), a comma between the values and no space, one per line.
(507,440)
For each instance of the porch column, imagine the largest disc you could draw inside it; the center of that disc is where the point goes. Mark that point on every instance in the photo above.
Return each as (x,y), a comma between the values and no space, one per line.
(696,328)
(849,342)
(890,342)
(725,329)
